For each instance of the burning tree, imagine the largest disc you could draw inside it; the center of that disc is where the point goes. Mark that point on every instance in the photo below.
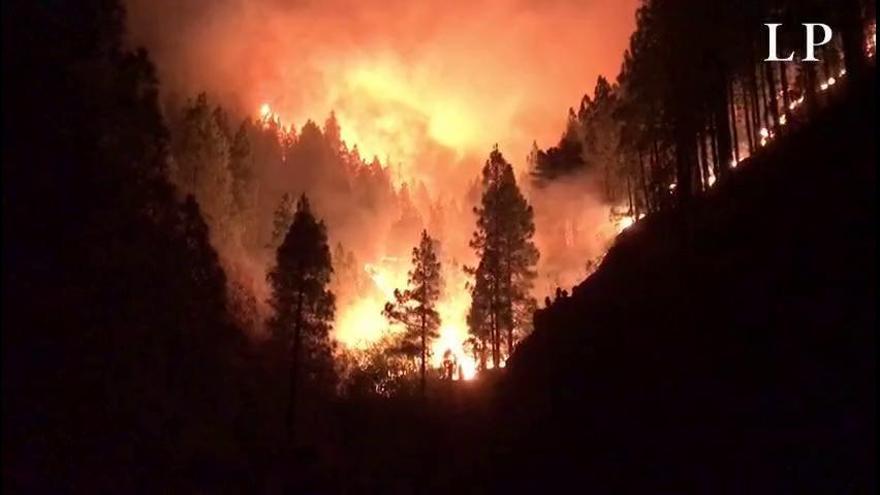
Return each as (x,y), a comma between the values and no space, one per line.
(303,306)
(415,307)
(501,292)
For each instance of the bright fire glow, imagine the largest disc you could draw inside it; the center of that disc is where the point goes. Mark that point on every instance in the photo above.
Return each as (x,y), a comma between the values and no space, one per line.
(430,85)
(360,321)
(624,223)
(871,41)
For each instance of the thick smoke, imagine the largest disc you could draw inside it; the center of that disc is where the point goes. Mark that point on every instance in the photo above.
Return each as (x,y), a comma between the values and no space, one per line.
(428,88)
(426,83)
(573,230)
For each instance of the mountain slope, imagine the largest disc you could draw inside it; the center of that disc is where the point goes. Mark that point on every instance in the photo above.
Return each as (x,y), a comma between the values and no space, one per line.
(728,349)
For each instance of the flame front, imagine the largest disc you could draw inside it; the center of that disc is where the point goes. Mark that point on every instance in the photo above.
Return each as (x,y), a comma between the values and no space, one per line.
(360,322)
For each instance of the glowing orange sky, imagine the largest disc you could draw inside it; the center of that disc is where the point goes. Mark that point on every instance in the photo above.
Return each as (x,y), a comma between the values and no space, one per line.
(432,84)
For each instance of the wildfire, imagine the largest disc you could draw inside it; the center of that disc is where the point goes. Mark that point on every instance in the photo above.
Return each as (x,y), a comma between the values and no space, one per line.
(765,136)
(711,178)
(267,115)
(394,114)
(453,309)
(384,279)
(625,222)
(360,321)
(402,97)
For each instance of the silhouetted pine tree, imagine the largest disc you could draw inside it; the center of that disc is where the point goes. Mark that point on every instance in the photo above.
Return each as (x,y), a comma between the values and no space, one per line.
(241,168)
(116,342)
(685,107)
(503,242)
(479,321)
(202,163)
(415,307)
(281,219)
(303,307)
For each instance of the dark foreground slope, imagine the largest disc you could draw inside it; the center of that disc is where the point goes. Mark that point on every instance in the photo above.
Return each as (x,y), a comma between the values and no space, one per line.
(738,359)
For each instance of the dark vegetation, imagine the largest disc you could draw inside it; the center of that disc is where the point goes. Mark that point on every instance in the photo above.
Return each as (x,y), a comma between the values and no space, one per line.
(724,345)
(737,357)
(694,96)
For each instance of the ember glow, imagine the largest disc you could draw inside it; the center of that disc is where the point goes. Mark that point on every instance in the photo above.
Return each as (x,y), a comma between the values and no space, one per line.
(428,88)
(428,84)
(360,322)
(625,222)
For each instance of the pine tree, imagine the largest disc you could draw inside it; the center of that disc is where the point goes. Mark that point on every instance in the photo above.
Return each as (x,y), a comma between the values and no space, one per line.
(333,134)
(415,307)
(201,165)
(409,222)
(240,166)
(281,219)
(501,293)
(303,306)
(601,136)
(478,317)
(119,289)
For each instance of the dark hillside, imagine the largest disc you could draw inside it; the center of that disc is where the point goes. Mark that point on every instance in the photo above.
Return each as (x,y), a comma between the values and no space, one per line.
(736,359)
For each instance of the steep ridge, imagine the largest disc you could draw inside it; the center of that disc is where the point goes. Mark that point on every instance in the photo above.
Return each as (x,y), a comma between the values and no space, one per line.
(728,348)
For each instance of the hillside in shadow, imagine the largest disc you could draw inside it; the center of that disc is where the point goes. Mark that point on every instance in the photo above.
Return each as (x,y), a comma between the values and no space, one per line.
(726,348)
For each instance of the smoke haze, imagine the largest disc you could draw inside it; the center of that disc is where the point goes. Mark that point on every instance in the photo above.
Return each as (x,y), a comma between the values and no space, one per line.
(431,85)
(428,88)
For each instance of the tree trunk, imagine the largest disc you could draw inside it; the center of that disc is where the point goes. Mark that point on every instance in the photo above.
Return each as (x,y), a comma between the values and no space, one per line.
(811,103)
(704,160)
(786,97)
(294,370)
(853,38)
(774,101)
(508,278)
(685,154)
(747,117)
(645,191)
(629,198)
(757,105)
(762,93)
(494,320)
(655,170)
(721,134)
(713,142)
(424,354)
(723,162)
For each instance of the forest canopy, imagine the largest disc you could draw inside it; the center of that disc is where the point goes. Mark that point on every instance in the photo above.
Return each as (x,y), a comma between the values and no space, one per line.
(195,291)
